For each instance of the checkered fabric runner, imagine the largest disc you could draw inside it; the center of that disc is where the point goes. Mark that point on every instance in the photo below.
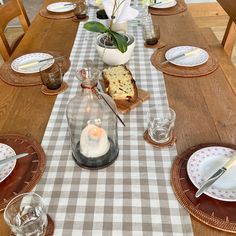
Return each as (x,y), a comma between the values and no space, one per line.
(133,196)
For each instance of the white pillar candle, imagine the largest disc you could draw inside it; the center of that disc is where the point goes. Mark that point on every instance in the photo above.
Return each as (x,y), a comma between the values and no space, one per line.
(94,141)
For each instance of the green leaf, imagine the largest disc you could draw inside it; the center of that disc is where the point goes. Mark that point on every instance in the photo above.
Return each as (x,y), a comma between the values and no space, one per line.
(95,26)
(120,41)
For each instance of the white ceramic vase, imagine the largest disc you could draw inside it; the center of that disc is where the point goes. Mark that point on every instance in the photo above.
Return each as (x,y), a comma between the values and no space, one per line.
(111,55)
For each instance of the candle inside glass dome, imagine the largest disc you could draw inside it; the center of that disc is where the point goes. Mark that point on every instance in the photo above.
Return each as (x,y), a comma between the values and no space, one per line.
(94,141)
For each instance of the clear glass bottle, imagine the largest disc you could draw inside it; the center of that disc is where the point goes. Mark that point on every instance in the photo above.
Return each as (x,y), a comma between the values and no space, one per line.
(92,124)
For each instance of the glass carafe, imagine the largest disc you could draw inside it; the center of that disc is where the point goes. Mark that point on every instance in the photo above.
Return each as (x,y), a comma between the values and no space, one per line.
(92,124)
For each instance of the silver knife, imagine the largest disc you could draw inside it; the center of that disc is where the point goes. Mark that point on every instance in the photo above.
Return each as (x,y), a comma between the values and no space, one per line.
(216,176)
(13,158)
(161,2)
(195,50)
(34,63)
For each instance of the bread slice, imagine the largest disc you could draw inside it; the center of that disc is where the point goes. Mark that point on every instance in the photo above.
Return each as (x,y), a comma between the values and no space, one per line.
(119,83)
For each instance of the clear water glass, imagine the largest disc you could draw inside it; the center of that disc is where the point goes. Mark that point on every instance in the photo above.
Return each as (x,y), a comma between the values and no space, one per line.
(161,124)
(26,215)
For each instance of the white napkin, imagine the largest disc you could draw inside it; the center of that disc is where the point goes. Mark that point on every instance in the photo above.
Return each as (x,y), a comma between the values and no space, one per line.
(124,12)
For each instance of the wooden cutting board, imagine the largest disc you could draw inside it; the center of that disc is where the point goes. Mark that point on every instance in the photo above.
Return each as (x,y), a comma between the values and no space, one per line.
(126,106)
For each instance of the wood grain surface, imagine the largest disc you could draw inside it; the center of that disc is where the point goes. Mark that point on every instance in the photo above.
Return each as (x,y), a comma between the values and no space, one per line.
(205,106)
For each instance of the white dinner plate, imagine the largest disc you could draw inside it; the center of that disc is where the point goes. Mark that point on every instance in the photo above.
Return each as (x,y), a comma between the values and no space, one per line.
(205,162)
(7,168)
(195,59)
(60,7)
(164,4)
(31,57)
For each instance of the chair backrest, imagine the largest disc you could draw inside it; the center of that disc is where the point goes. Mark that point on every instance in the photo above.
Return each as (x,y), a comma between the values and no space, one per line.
(8,11)
(229,38)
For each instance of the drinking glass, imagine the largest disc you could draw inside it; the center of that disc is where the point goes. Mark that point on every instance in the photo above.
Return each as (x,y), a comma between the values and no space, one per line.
(80,10)
(161,124)
(26,215)
(151,31)
(52,77)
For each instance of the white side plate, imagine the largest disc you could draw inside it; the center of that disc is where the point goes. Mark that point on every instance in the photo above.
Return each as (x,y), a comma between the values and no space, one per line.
(31,57)
(164,4)
(205,162)
(60,7)
(195,59)
(7,168)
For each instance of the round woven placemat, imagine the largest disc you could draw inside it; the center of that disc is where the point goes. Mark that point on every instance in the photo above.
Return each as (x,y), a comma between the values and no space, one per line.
(11,77)
(56,16)
(49,229)
(215,213)
(159,56)
(178,8)
(28,170)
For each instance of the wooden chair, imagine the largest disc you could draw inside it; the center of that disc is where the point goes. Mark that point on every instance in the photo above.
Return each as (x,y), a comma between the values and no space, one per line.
(8,11)
(230,34)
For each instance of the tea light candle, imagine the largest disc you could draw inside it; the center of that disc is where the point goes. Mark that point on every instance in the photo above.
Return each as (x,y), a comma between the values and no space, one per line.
(94,141)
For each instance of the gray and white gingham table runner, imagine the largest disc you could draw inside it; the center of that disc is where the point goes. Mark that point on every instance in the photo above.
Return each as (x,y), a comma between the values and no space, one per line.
(133,196)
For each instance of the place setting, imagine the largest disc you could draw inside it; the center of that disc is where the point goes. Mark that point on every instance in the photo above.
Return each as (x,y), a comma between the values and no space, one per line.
(58,10)
(64,10)
(167,7)
(22,164)
(185,61)
(203,179)
(25,70)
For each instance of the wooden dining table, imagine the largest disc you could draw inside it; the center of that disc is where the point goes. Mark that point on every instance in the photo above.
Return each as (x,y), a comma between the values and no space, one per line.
(205,106)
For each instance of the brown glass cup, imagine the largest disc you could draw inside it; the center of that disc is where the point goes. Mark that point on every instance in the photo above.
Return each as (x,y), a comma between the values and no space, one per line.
(151,33)
(52,77)
(80,10)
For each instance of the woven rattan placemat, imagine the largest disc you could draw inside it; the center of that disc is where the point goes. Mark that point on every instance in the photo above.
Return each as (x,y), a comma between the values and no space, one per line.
(218,214)
(159,56)
(28,170)
(178,8)
(19,79)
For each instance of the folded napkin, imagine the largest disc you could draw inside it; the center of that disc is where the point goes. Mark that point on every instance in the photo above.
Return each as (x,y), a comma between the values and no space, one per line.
(123,13)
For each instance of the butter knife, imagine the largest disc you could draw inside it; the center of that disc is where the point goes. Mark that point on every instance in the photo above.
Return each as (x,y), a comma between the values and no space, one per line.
(161,2)
(13,158)
(62,6)
(196,50)
(216,176)
(36,62)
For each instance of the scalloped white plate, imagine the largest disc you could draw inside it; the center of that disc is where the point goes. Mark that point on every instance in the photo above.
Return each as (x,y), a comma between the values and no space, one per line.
(31,57)
(195,59)
(205,162)
(7,168)
(60,7)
